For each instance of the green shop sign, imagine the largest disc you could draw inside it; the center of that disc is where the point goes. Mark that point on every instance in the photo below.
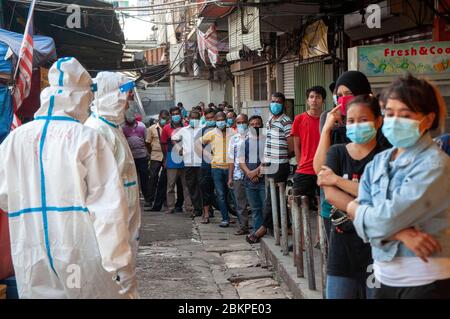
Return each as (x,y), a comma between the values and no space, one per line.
(394,59)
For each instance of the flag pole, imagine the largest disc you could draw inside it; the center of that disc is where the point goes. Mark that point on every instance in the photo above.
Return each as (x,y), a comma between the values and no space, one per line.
(27,26)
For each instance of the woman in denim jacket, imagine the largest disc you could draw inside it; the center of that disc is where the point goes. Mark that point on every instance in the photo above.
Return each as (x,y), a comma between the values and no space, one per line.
(408,187)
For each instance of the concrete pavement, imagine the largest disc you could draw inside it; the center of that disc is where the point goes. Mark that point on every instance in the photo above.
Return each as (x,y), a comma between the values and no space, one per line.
(181,258)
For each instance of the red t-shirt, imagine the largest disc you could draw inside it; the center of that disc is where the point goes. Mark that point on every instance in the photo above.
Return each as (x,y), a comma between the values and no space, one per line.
(306,127)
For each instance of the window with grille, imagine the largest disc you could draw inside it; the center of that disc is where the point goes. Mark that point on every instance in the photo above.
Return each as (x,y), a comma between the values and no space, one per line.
(260,84)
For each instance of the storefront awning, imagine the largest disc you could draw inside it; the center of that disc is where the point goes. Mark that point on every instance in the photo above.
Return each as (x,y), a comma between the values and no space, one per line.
(213,10)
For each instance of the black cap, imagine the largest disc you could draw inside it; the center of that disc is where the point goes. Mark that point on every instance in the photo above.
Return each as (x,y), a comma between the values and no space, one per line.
(356,82)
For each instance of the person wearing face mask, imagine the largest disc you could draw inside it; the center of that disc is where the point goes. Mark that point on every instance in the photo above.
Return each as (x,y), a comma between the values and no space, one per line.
(206,180)
(136,134)
(231,120)
(158,183)
(250,156)
(175,164)
(406,189)
(332,130)
(236,175)
(349,256)
(108,108)
(65,200)
(218,139)
(185,140)
(278,149)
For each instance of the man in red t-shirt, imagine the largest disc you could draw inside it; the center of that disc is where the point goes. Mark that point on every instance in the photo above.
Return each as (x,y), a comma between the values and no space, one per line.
(305,131)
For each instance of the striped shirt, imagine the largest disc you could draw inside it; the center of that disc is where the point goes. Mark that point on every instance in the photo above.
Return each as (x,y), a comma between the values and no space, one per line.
(218,144)
(276,147)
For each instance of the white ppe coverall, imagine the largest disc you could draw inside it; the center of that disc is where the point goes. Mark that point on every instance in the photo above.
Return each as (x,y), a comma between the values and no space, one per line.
(108,112)
(68,214)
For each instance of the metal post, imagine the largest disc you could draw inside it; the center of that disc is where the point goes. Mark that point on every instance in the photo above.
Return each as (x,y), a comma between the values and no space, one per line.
(308,243)
(298,242)
(324,253)
(284,219)
(276,224)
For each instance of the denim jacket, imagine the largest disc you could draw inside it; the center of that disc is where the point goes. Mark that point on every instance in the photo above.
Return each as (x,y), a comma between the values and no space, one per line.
(412,191)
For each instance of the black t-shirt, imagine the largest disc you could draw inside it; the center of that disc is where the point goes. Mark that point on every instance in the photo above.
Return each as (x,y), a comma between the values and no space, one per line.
(348,255)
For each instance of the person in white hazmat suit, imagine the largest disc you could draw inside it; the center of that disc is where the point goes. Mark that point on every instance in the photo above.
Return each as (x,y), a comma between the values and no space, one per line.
(67,210)
(108,112)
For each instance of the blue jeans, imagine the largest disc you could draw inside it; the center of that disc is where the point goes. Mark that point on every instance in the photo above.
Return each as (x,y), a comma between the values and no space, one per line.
(220,177)
(348,288)
(256,196)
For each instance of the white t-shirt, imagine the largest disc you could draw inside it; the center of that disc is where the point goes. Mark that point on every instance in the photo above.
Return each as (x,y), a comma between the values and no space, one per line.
(411,271)
(187,138)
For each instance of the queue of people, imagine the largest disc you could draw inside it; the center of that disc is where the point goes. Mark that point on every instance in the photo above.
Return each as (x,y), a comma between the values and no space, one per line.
(71,180)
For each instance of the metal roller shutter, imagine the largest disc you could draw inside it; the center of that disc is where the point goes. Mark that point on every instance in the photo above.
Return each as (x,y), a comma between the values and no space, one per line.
(288,80)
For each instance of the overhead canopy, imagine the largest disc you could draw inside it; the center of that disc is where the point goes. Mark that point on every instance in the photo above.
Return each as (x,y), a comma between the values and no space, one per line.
(98,43)
(213,10)
(44,47)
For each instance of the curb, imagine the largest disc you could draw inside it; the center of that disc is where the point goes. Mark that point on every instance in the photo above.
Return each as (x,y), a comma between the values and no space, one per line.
(284,267)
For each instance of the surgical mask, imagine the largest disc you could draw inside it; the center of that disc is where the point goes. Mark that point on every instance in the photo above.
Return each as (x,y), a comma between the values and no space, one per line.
(221,125)
(242,128)
(194,123)
(401,132)
(176,118)
(343,102)
(361,133)
(202,121)
(162,122)
(335,99)
(230,122)
(210,123)
(276,108)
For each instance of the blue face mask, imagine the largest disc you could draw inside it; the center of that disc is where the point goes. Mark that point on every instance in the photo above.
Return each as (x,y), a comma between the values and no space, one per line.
(242,128)
(194,123)
(230,122)
(210,123)
(221,125)
(361,133)
(162,122)
(401,132)
(176,118)
(276,108)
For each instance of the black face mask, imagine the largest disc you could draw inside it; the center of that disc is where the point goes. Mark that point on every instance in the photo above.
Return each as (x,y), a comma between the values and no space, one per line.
(256,131)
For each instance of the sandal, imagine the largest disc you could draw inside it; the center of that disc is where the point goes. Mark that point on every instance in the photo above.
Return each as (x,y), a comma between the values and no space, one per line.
(252,239)
(205,221)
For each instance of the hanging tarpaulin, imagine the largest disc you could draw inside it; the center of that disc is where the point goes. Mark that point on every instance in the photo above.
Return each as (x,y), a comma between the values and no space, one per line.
(208,42)
(314,42)
(6,107)
(6,112)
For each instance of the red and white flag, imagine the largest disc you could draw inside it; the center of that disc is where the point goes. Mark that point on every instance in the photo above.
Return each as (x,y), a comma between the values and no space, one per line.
(208,41)
(24,67)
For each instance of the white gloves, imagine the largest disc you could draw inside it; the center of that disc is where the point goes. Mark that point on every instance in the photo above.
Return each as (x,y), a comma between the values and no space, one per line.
(126,279)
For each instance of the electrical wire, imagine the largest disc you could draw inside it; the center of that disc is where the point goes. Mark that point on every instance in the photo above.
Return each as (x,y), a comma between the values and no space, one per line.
(154,7)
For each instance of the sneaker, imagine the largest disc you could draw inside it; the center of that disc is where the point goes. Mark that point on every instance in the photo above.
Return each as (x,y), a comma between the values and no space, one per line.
(224,224)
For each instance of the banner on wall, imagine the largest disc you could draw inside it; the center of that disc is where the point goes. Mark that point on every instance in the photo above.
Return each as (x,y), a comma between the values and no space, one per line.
(395,59)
